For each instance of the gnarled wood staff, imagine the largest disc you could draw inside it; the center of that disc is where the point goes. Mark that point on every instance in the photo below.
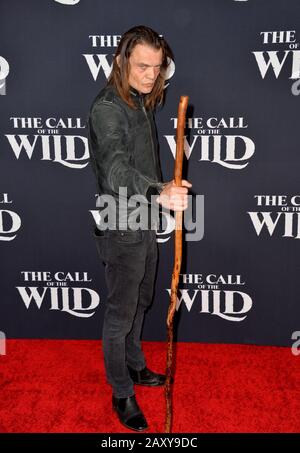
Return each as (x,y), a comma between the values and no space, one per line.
(182,107)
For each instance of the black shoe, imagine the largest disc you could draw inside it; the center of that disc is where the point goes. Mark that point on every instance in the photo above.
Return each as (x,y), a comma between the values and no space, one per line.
(129,413)
(147,377)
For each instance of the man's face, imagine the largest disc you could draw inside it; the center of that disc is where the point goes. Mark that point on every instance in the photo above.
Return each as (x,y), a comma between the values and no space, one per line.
(144,67)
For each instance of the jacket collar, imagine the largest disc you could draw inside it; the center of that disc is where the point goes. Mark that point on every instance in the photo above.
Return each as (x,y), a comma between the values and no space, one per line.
(135,92)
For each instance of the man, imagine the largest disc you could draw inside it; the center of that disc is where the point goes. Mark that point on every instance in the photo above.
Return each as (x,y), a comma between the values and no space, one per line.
(123,149)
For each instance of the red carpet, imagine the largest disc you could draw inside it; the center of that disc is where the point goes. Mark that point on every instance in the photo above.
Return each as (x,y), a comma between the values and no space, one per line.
(59,386)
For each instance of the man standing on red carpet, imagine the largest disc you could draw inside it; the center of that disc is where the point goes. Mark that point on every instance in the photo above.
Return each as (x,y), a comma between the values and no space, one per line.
(124,156)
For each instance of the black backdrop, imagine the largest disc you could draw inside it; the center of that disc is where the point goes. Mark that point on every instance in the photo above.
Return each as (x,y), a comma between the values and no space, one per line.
(239,62)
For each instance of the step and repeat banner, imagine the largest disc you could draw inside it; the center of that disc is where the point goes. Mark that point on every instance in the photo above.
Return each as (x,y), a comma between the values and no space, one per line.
(239,63)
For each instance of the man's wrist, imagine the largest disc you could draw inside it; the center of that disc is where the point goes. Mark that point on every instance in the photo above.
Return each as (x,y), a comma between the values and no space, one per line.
(161,186)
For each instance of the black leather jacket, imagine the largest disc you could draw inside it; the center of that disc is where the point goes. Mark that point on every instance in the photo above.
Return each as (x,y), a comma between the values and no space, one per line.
(123,149)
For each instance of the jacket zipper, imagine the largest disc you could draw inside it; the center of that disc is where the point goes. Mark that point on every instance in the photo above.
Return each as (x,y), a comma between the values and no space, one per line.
(152,145)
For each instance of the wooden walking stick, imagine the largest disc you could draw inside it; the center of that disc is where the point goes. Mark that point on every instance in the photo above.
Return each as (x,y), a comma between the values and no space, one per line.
(182,107)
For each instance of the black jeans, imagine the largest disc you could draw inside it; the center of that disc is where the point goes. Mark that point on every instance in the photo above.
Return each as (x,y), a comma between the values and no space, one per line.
(130,259)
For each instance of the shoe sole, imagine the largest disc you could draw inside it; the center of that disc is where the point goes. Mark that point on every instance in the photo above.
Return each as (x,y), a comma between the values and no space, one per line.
(127,426)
